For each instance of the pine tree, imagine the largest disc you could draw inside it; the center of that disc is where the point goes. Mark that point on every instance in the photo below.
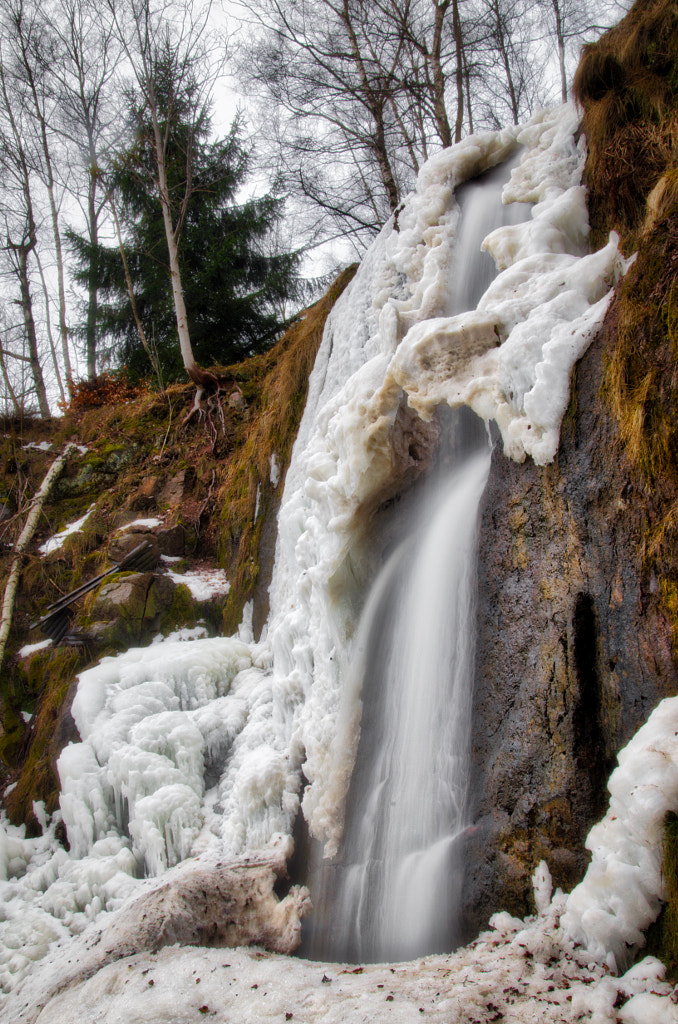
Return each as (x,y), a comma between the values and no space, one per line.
(234,290)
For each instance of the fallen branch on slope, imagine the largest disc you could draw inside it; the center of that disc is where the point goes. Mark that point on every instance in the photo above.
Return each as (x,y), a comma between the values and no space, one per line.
(22,543)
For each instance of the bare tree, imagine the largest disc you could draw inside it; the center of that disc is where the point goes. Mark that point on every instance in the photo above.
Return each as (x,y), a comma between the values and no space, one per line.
(88,119)
(173,66)
(31,57)
(20,229)
(365,90)
(359,98)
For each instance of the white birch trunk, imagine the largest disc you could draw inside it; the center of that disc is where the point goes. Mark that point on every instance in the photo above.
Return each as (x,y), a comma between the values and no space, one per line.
(22,543)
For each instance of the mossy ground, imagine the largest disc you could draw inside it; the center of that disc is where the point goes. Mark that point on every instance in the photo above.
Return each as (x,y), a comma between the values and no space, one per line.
(135,448)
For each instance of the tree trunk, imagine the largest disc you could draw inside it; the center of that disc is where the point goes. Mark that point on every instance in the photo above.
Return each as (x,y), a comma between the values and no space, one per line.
(503,50)
(375,104)
(22,543)
(8,385)
(459,74)
(440,111)
(22,252)
(48,326)
(92,277)
(49,184)
(560,37)
(130,291)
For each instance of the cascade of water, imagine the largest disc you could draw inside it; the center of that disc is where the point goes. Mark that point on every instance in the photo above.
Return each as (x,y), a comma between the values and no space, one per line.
(393,892)
(392,895)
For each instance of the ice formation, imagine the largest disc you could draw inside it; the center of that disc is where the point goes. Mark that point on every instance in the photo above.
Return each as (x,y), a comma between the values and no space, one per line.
(196,749)
(623,887)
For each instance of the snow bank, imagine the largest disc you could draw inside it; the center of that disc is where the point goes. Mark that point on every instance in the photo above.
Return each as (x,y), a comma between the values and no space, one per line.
(518,971)
(622,890)
(204,584)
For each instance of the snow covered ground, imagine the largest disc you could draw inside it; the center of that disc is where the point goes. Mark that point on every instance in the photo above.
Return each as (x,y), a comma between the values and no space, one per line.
(198,749)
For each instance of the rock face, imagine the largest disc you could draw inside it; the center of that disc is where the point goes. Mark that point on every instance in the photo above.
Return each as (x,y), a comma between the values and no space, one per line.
(573,649)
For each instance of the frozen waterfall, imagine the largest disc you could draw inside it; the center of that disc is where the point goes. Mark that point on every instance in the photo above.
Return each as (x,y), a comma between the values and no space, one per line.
(394,891)
(212,749)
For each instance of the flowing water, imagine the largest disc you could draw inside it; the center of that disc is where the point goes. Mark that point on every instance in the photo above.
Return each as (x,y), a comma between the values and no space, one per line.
(393,892)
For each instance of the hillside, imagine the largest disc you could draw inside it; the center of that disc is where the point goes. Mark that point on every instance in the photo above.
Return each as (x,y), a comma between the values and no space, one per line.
(207,493)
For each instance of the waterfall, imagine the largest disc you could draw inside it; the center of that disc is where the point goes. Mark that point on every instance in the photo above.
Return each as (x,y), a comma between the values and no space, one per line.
(393,893)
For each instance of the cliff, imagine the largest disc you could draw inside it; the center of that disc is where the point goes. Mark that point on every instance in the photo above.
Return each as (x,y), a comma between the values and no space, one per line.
(578,570)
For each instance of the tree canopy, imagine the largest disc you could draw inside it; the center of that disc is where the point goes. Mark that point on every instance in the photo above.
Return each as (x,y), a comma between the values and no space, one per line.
(235,291)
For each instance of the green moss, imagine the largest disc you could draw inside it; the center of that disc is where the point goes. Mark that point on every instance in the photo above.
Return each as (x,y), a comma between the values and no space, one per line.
(627,83)
(49,675)
(662,936)
(182,612)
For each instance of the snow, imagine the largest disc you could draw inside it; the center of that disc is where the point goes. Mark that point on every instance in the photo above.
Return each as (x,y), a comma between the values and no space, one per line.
(187,633)
(204,584)
(143,524)
(197,749)
(40,446)
(275,471)
(622,890)
(28,649)
(55,542)
(516,971)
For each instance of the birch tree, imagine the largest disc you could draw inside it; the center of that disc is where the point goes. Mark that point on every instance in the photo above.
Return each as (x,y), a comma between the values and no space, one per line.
(31,56)
(19,229)
(162,41)
(88,119)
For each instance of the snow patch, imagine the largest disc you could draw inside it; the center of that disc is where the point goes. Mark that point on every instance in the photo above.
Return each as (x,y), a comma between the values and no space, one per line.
(204,584)
(622,890)
(55,542)
(144,524)
(28,649)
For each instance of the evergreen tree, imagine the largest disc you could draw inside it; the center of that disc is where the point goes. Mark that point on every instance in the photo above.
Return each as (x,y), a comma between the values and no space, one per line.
(234,290)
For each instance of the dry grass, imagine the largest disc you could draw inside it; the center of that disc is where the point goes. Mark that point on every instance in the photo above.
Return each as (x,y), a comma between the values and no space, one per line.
(627,83)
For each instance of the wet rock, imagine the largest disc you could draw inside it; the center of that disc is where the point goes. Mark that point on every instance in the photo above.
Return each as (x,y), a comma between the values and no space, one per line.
(177,487)
(121,545)
(130,609)
(573,652)
(171,541)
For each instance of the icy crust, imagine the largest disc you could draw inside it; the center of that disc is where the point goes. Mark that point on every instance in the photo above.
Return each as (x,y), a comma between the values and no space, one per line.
(390,339)
(510,360)
(153,722)
(622,890)
(518,971)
